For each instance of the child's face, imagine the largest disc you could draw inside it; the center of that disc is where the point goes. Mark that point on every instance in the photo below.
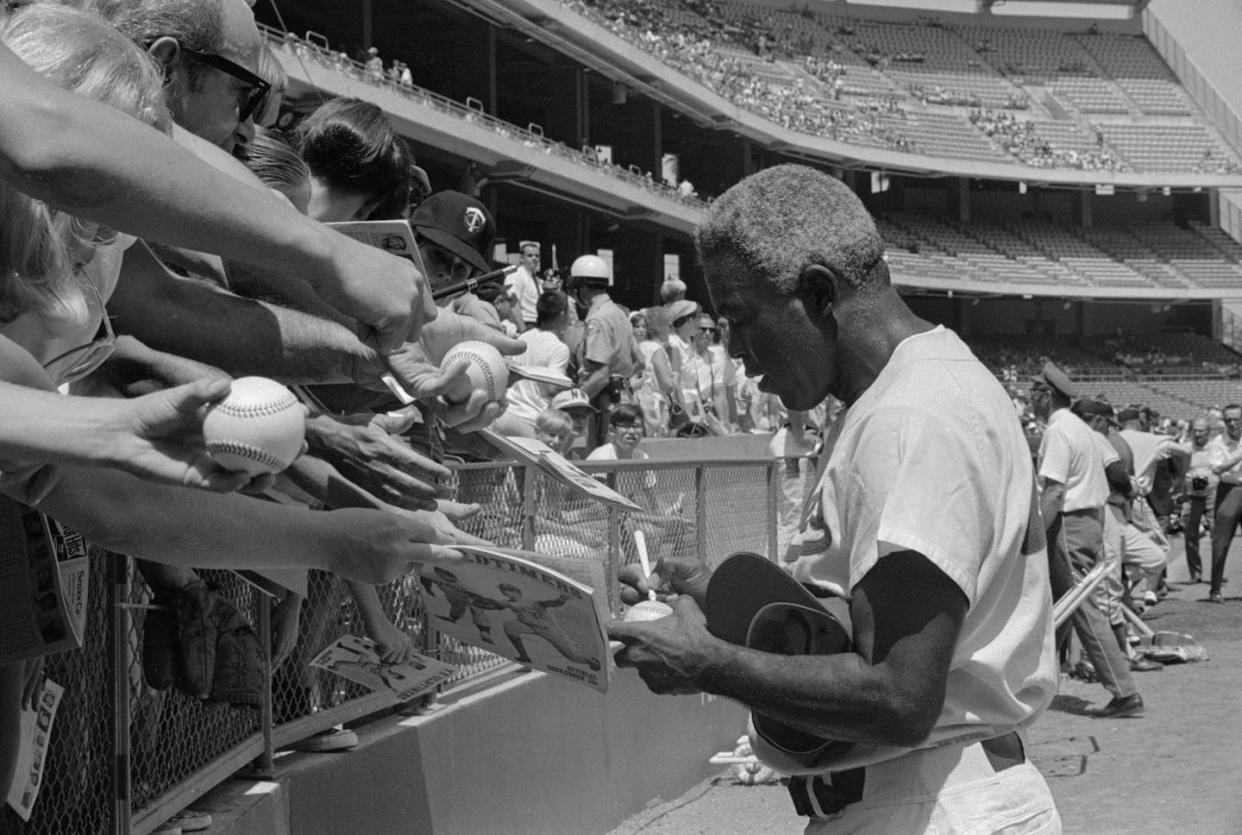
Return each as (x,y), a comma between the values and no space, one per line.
(559,441)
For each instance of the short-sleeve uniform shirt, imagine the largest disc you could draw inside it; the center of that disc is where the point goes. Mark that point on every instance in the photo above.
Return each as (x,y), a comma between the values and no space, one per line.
(1070,456)
(931,458)
(609,337)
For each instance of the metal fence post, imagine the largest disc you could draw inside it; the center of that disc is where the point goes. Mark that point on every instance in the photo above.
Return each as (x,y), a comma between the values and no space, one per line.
(775,466)
(700,510)
(264,765)
(122,796)
(527,477)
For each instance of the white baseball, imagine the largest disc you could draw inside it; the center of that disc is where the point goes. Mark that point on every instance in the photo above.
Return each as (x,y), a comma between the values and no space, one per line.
(487,371)
(648,610)
(257,429)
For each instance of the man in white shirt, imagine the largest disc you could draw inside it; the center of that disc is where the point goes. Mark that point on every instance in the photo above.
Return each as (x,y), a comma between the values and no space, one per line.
(1227,464)
(1074,492)
(544,349)
(524,287)
(925,527)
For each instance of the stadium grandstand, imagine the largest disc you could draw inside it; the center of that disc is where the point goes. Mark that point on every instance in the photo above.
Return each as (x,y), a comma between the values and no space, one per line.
(1036,178)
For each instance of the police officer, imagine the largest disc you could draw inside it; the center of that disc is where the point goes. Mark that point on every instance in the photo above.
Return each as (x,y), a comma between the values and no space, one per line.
(606,357)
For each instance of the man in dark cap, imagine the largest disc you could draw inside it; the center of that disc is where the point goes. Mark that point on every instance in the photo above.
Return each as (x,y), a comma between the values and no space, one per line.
(454,232)
(1074,492)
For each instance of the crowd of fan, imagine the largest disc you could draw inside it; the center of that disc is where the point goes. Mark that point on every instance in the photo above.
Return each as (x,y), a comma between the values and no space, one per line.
(1020,138)
(369,66)
(235,272)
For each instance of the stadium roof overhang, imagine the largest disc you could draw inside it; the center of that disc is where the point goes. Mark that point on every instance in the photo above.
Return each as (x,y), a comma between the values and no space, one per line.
(598,49)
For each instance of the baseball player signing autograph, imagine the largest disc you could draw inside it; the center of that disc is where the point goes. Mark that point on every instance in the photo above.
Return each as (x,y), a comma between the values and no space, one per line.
(924,526)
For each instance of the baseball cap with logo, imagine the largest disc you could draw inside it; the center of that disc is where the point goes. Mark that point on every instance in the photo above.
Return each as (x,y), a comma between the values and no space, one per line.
(459,223)
(572,399)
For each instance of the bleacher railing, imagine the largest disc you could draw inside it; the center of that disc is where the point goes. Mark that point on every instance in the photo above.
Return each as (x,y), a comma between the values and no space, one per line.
(123,757)
(315,47)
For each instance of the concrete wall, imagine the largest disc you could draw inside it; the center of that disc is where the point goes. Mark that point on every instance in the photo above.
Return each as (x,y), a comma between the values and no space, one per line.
(534,754)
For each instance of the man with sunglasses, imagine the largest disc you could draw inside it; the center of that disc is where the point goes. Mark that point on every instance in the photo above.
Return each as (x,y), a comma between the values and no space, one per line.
(209,50)
(924,526)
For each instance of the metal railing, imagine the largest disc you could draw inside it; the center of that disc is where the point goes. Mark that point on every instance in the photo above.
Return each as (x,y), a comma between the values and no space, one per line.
(125,757)
(315,47)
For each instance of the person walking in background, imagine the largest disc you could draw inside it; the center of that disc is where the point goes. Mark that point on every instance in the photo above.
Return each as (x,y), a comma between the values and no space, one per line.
(1200,488)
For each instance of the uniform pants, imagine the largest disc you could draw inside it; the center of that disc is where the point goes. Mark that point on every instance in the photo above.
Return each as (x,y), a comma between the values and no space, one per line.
(955,788)
(1075,545)
(1224,523)
(1196,507)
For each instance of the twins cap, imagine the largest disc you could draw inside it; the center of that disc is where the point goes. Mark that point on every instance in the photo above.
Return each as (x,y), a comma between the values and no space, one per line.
(1056,379)
(459,223)
(572,399)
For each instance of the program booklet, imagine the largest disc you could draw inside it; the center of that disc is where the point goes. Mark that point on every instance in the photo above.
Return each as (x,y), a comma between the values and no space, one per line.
(534,451)
(542,610)
(35,735)
(45,575)
(356,659)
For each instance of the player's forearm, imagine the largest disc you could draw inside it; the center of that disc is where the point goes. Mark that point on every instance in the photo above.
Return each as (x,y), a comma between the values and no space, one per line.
(838,697)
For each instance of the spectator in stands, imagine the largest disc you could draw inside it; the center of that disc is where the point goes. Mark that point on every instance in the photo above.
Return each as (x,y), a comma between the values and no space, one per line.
(281,168)
(210,54)
(1199,489)
(523,284)
(1226,457)
(653,388)
(791,445)
(702,378)
(498,297)
(577,405)
(529,399)
(360,168)
(672,290)
(1074,493)
(374,65)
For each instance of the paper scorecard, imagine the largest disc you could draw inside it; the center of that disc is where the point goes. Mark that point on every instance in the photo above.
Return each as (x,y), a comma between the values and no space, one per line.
(357,659)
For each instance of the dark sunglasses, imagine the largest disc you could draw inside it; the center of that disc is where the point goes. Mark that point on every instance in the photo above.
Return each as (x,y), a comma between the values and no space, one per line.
(256,97)
(707,330)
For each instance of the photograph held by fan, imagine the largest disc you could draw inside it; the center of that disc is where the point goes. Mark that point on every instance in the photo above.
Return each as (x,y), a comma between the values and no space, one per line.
(924,527)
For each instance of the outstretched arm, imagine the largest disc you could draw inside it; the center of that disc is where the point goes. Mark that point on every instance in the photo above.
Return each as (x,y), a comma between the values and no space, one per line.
(95,162)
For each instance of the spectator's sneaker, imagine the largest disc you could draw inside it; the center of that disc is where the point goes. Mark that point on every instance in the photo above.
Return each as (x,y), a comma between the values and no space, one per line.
(187,820)
(1150,599)
(333,739)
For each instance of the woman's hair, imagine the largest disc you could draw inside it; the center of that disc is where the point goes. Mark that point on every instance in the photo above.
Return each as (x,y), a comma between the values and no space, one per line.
(78,51)
(657,323)
(672,290)
(554,422)
(274,161)
(351,145)
(271,71)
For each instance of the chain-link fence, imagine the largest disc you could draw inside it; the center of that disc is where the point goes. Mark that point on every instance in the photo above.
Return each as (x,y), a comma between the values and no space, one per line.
(126,753)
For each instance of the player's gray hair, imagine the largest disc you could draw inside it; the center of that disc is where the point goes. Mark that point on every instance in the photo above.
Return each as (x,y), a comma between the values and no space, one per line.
(783,219)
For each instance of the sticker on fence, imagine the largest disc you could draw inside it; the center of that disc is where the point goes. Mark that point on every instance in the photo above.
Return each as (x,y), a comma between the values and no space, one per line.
(44,571)
(35,738)
(356,659)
